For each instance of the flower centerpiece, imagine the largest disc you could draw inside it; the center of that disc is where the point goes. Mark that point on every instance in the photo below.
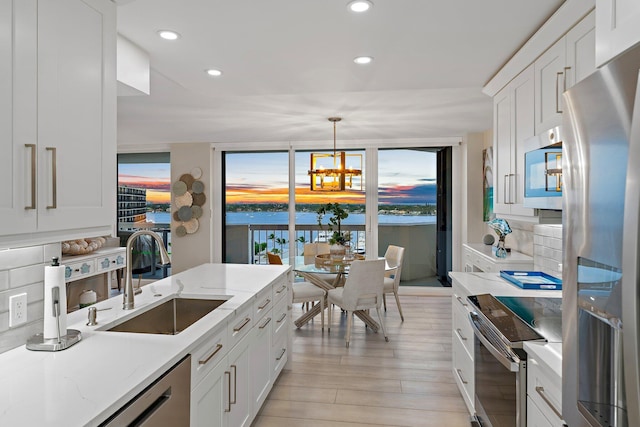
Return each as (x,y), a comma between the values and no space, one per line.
(338,240)
(501,227)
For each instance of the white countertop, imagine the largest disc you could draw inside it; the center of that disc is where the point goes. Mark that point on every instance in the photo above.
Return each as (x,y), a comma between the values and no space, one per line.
(488,251)
(492,283)
(548,353)
(87,382)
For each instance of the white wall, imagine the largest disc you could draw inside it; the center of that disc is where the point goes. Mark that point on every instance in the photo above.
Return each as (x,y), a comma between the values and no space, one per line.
(193,249)
(22,271)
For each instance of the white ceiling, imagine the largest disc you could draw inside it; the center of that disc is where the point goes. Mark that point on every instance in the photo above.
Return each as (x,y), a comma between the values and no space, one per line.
(288,65)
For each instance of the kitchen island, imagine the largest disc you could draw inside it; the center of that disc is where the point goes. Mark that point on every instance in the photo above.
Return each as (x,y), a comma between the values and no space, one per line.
(90,381)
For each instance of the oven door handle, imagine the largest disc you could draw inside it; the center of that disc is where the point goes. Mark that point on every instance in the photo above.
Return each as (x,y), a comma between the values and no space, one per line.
(507,362)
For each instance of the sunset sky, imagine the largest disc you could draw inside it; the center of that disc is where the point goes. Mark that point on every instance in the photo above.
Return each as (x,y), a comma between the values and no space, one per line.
(405,177)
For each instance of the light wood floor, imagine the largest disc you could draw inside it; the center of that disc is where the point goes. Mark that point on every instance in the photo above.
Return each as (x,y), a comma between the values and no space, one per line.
(404,382)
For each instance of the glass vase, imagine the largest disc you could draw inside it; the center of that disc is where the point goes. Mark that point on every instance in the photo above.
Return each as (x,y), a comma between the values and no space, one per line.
(501,251)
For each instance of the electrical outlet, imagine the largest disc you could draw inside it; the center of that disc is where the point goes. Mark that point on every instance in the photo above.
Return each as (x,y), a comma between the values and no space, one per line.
(17,310)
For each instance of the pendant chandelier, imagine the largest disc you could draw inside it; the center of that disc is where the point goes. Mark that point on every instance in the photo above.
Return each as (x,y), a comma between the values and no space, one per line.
(330,172)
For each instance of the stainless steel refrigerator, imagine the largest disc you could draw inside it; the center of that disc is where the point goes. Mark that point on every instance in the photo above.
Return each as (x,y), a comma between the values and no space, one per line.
(601,178)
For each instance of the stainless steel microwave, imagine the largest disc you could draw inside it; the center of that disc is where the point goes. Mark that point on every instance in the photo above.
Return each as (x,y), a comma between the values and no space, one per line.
(543,170)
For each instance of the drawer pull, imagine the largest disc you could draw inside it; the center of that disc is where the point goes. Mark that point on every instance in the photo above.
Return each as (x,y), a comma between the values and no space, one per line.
(284,315)
(459,372)
(282,289)
(228,375)
(281,354)
(264,304)
(543,395)
(235,385)
(218,348)
(241,324)
(461,301)
(266,322)
(459,332)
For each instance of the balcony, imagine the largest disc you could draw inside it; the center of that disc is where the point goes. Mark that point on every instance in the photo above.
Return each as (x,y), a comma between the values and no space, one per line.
(248,243)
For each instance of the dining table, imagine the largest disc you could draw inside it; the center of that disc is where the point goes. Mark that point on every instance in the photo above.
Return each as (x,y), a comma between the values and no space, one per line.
(336,272)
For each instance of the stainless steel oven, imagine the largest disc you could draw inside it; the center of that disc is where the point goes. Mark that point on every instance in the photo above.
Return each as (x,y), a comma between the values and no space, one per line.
(499,359)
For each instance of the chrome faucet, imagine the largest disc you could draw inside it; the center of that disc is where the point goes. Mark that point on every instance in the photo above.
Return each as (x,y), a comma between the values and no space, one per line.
(128,301)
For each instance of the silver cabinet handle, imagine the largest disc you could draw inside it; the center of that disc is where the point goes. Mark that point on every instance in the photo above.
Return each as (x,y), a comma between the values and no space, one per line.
(266,322)
(32,147)
(264,304)
(504,190)
(459,372)
(543,395)
(54,175)
(284,315)
(241,325)
(235,385)
(282,289)
(218,348)
(459,332)
(461,301)
(514,199)
(228,375)
(558,74)
(281,354)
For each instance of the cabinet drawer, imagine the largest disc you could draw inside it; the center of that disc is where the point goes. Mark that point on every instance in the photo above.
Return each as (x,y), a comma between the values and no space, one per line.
(462,328)
(240,324)
(76,270)
(280,290)
(110,262)
(263,303)
(279,355)
(280,319)
(208,354)
(463,371)
(535,417)
(544,388)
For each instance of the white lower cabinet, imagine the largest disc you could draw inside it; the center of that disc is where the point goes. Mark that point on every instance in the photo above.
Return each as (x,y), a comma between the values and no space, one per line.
(238,361)
(234,369)
(462,348)
(210,399)
(544,394)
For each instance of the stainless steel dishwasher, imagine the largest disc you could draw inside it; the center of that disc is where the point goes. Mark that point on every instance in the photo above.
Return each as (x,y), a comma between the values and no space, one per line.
(166,402)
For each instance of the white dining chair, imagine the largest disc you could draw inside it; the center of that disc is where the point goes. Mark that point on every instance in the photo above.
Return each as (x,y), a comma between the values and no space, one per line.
(303,292)
(361,291)
(310,252)
(394,257)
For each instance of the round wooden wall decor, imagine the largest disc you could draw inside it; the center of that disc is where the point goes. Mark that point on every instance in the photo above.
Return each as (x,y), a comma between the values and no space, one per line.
(188,200)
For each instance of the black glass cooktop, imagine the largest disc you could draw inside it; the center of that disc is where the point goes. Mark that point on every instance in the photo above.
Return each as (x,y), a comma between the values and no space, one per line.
(522,318)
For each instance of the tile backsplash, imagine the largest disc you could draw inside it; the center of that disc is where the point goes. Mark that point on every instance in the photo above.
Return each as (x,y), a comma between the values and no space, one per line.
(22,271)
(547,249)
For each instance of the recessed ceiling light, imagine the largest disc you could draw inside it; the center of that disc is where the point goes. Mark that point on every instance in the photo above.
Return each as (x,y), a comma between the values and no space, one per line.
(168,35)
(213,72)
(362,60)
(360,6)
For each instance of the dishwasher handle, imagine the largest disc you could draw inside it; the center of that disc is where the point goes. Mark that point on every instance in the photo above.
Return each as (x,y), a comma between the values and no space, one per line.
(509,361)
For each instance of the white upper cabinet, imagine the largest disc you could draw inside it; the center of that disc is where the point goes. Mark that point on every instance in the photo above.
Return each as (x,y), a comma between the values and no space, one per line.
(18,108)
(569,60)
(617,28)
(550,82)
(513,123)
(581,52)
(59,94)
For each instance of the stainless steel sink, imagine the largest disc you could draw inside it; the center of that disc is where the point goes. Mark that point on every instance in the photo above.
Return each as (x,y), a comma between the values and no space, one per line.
(170,317)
